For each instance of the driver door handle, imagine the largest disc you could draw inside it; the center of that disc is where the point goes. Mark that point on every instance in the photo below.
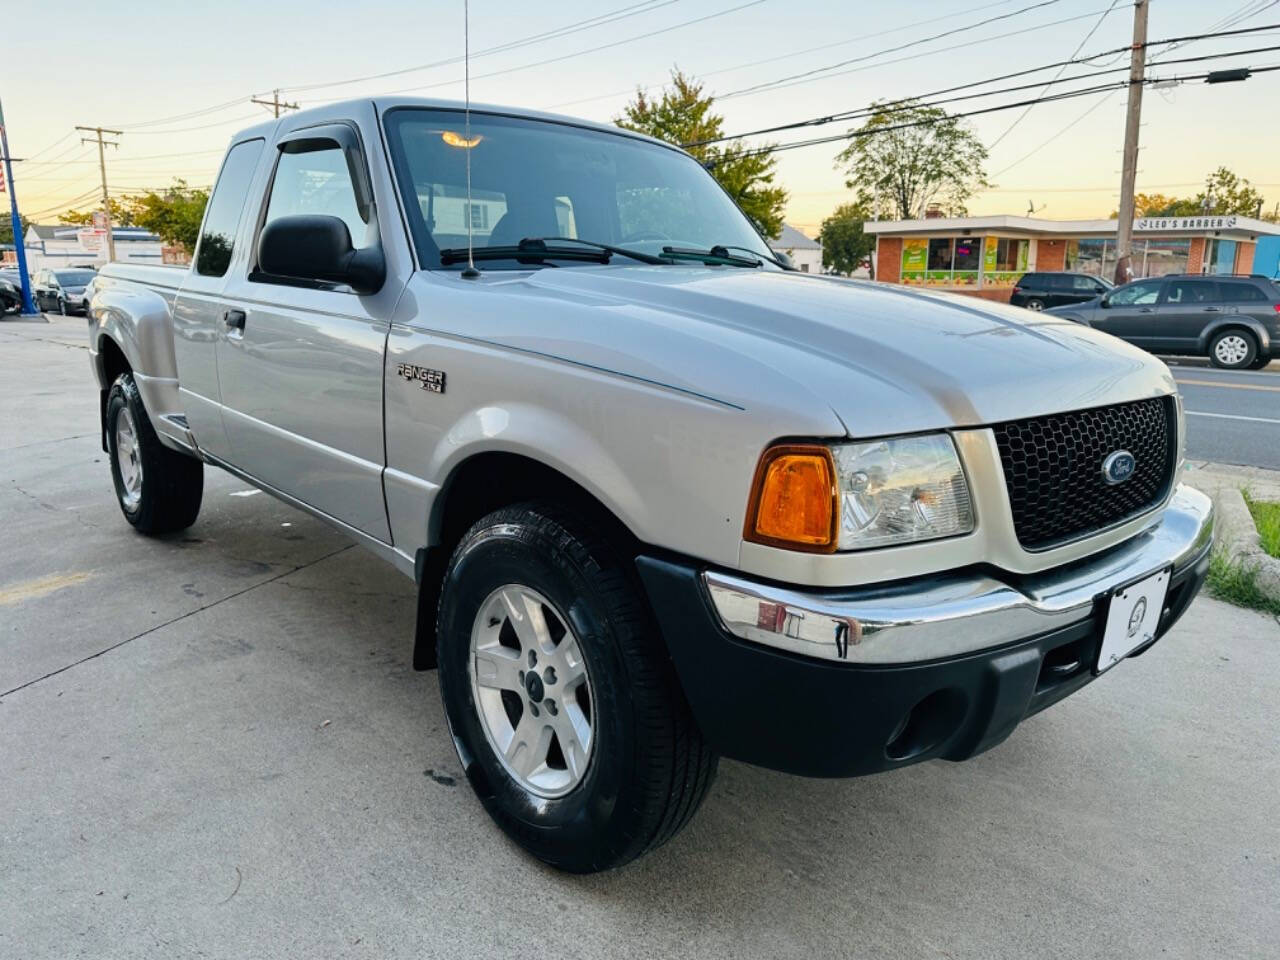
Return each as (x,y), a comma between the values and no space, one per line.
(234,319)
(1212,309)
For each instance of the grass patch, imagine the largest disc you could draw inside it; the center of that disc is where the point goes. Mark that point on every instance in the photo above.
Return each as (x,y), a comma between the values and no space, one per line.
(1266,515)
(1231,581)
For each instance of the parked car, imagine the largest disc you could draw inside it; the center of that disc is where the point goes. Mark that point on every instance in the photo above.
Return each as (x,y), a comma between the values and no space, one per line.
(666,501)
(10,295)
(61,291)
(1232,320)
(1039,290)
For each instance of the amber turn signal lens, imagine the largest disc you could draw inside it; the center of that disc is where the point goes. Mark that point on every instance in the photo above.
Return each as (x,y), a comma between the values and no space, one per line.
(794,501)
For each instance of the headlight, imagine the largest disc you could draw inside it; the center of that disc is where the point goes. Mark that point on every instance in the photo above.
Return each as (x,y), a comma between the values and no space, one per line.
(853,496)
(900,491)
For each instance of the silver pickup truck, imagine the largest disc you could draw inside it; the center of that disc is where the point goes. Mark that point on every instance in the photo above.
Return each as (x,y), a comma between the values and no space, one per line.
(664,499)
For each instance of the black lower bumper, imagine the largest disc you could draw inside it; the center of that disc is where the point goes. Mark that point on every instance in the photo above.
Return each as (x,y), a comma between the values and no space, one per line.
(824,719)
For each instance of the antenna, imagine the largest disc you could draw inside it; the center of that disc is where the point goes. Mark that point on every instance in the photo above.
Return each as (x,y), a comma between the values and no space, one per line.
(471,273)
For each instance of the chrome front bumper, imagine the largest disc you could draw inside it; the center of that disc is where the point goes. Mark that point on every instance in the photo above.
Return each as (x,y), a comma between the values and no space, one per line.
(937,617)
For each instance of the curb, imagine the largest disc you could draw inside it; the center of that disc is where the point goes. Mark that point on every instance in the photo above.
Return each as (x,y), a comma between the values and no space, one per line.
(1239,538)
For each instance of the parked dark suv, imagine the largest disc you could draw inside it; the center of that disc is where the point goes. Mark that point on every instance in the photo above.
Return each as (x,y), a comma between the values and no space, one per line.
(1232,320)
(1036,291)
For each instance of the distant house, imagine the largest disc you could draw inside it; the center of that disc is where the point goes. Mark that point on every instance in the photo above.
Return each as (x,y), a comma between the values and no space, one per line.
(66,245)
(806,254)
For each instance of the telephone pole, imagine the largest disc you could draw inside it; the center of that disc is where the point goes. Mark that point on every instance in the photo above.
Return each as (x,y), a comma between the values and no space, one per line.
(275,103)
(1132,121)
(102,166)
(28,308)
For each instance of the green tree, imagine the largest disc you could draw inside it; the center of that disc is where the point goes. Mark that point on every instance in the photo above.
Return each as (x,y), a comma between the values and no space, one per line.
(844,245)
(683,115)
(6,227)
(174,213)
(905,168)
(121,215)
(1226,193)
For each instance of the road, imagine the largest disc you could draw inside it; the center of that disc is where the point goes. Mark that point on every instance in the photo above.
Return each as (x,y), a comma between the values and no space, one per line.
(1231,417)
(213,744)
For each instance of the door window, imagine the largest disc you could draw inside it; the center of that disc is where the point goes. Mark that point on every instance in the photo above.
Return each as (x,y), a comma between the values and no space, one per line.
(1136,294)
(1183,292)
(1084,284)
(319,182)
(213,253)
(1241,293)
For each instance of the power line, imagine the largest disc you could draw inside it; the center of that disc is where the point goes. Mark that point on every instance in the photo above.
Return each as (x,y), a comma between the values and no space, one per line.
(275,103)
(203,126)
(1075,53)
(596,49)
(927,99)
(1067,95)
(621,13)
(1013,33)
(783,56)
(913,43)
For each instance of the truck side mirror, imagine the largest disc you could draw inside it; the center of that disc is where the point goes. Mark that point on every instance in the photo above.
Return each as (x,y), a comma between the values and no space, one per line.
(318,248)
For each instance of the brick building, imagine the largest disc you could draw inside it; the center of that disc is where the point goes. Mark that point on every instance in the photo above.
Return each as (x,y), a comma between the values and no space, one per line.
(985,256)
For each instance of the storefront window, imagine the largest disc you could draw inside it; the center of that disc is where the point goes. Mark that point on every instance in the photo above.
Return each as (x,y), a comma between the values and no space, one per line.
(915,254)
(968,261)
(1004,261)
(1089,256)
(1165,256)
(1220,256)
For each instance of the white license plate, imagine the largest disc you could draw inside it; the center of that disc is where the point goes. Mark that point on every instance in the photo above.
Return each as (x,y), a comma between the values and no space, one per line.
(1132,618)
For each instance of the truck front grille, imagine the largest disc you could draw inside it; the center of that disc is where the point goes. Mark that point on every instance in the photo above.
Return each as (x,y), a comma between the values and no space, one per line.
(1053,468)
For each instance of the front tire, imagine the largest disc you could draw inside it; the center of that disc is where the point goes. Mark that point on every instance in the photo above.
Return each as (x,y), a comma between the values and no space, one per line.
(159,490)
(563,705)
(62,307)
(1233,350)
(1035,304)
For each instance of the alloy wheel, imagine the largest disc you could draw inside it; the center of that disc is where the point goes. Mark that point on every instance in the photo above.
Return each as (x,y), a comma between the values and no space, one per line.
(531,689)
(128,460)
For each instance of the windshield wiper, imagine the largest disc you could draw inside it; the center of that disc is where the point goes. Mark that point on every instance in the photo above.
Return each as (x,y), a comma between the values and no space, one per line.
(535,249)
(718,255)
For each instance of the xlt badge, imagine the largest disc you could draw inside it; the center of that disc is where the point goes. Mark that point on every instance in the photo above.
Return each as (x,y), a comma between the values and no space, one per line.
(431,380)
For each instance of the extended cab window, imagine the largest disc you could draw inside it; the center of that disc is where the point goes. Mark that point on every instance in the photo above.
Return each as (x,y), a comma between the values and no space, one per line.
(213,254)
(1242,293)
(318,182)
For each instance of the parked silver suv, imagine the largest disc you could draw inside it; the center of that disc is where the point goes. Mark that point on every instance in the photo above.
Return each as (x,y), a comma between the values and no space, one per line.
(663,499)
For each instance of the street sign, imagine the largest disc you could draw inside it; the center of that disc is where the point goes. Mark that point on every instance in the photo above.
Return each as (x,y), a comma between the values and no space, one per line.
(99,220)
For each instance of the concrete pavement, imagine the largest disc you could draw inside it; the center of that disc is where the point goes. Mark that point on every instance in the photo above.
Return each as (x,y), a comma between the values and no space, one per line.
(215,746)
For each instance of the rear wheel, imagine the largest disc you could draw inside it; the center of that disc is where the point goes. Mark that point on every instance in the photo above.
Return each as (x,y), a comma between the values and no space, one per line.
(1233,350)
(159,490)
(563,704)
(1035,304)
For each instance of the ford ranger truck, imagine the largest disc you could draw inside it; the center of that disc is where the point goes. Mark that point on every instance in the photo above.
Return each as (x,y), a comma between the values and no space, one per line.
(663,499)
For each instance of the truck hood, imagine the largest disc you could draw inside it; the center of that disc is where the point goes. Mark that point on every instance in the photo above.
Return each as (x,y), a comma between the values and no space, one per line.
(885,359)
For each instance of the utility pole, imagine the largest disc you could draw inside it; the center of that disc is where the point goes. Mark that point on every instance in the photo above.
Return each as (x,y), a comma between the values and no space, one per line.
(28,308)
(275,103)
(1132,120)
(102,166)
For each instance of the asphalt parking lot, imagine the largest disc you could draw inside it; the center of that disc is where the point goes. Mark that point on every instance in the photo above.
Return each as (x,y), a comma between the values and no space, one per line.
(213,745)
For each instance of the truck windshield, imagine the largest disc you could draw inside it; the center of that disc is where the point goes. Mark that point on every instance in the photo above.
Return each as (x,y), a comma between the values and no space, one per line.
(533,179)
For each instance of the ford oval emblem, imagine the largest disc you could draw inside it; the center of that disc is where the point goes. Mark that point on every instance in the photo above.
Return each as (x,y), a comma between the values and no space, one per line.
(1118,467)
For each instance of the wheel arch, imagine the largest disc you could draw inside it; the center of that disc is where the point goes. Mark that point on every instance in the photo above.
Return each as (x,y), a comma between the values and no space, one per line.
(476,486)
(1246,324)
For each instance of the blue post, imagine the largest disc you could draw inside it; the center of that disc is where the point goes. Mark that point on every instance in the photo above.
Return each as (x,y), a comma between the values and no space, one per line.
(28,308)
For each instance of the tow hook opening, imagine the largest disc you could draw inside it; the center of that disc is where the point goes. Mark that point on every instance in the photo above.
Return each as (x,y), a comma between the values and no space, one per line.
(928,725)
(1064,662)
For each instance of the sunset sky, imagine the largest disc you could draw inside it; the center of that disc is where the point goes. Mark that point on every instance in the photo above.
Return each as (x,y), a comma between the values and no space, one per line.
(128,65)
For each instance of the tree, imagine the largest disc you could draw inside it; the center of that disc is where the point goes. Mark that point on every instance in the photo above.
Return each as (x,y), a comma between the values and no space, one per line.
(844,245)
(174,214)
(683,115)
(903,169)
(121,215)
(1224,193)
(6,227)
